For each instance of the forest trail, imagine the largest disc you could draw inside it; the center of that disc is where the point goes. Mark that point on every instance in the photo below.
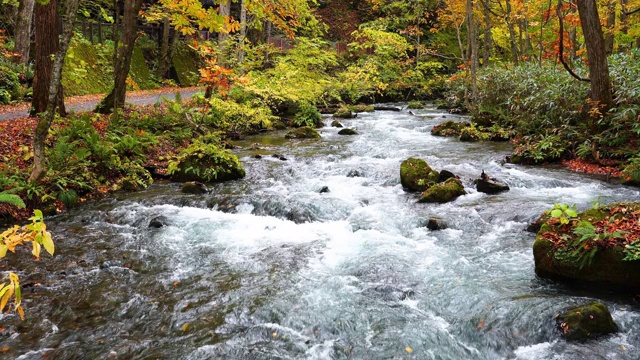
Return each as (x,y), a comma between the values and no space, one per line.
(89,102)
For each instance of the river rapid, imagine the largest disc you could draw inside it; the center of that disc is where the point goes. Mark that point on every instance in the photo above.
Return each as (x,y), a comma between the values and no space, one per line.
(270,268)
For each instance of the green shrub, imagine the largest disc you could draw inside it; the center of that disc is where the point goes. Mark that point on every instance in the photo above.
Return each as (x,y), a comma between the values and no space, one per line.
(307,115)
(9,85)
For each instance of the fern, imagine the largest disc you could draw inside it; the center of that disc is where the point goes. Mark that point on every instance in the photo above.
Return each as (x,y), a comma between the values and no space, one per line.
(11,199)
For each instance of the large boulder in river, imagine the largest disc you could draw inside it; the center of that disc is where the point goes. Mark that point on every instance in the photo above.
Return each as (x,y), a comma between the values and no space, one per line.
(444,192)
(584,250)
(490,185)
(347,131)
(586,322)
(449,128)
(205,163)
(305,132)
(417,175)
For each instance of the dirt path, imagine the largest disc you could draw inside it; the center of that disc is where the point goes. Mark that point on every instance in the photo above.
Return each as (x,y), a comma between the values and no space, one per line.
(89,102)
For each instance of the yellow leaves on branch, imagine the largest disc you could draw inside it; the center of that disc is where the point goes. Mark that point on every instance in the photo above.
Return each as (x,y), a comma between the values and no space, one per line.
(35,233)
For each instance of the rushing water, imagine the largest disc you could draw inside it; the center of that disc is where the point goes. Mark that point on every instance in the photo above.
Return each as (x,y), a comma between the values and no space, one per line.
(270,268)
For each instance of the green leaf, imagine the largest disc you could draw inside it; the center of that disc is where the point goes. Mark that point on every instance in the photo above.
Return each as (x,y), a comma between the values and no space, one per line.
(556,213)
(48,244)
(571,213)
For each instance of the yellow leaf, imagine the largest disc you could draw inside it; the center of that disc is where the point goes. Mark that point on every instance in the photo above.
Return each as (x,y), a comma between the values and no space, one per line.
(36,250)
(20,312)
(4,300)
(3,250)
(274,335)
(408,349)
(48,243)
(185,327)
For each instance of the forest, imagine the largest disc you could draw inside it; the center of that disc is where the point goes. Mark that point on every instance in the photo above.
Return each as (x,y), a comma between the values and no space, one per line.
(257,179)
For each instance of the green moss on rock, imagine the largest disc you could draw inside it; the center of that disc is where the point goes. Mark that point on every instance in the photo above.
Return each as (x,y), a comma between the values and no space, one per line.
(417,175)
(449,128)
(185,66)
(344,113)
(606,269)
(205,163)
(415,105)
(444,192)
(347,131)
(586,322)
(87,70)
(139,71)
(305,132)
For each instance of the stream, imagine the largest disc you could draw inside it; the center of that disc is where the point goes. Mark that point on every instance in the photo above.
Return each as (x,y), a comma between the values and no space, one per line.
(270,268)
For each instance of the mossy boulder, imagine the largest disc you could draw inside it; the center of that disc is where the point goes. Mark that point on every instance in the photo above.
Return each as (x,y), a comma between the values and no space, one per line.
(139,71)
(305,132)
(336,123)
(604,268)
(86,70)
(194,187)
(362,108)
(470,134)
(344,113)
(347,131)
(586,322)
(417,175)
(449,128)
(415,105)
(185,66)
(444,192)
(205,163)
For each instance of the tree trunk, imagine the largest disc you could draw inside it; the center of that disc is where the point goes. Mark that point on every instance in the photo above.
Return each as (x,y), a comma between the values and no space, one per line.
(243,30)
(512,34)
(488,39)
(472,49)
(115,99)
(223,35)
(601,96)
(47,46)
(23,30)
(42,129)
(611,24)
(165,61)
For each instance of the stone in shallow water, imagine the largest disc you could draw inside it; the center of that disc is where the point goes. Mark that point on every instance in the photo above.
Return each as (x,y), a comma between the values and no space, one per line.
(347,131)
(194,187)
(435,223)
(325,189)
(158,222)
(586,322)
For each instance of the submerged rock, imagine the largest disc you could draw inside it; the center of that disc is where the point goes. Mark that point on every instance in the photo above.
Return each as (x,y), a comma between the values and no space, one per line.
(443,192)
(194,187)
(436,223)
(158,222)
(417,175)
(336,123)
(347,131)
(586,322)
(305,132)
(325,189)
(490,185)
(279,157)
(354,173)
